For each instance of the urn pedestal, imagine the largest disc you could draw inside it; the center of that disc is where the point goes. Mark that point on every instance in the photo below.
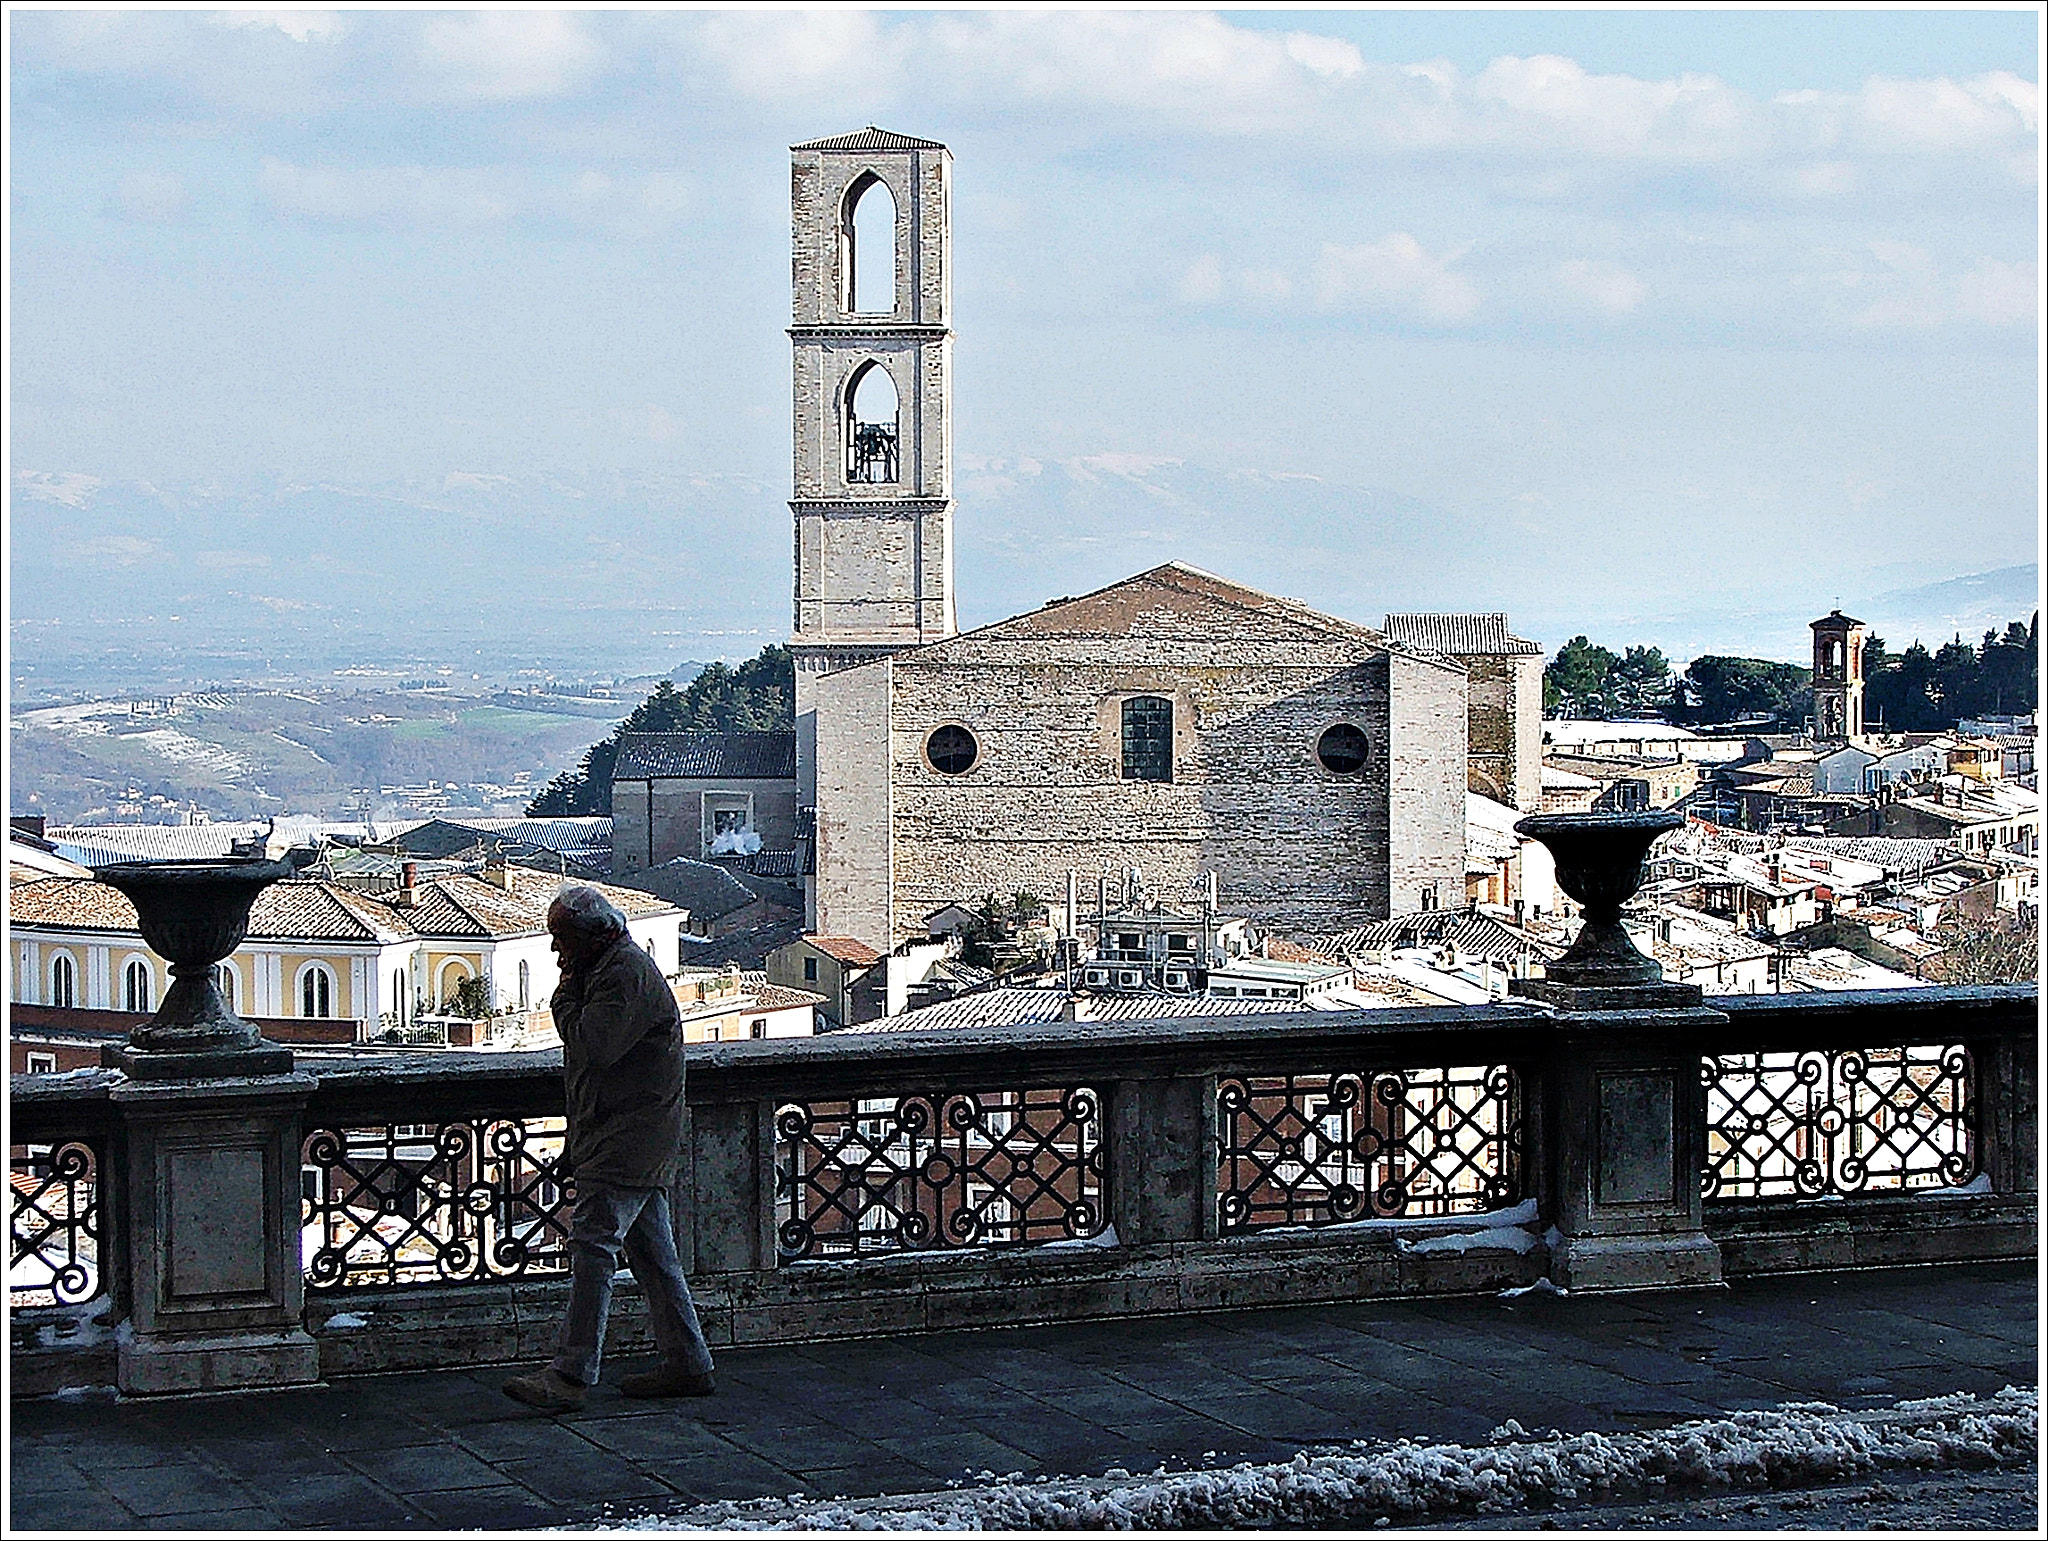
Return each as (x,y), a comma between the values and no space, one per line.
(1624,1095)
(214,1286)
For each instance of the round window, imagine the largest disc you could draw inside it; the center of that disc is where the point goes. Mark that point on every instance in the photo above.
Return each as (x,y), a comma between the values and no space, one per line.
(1342,749)
(952,750)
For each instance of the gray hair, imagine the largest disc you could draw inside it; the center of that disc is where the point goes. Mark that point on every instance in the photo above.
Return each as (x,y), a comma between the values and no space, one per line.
(588,912)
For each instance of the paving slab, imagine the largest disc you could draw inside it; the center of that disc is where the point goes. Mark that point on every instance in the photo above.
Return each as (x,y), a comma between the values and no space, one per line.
(429,1451)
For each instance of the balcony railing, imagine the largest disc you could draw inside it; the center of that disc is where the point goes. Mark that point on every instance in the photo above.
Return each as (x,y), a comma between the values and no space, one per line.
(889,1182)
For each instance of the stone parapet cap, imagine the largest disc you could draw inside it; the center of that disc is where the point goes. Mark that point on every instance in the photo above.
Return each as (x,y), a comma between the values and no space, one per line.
(882,503)
(294,1084)
(853,329)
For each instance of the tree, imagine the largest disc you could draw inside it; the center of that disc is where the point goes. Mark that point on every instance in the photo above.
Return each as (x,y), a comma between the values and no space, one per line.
(758,696)
(1720,689)
(2004,950)
(1579,681)
(1921,692)
(1641,683)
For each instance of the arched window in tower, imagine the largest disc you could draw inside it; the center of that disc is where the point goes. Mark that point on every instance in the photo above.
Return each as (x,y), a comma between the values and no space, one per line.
(871,437)
(868,240)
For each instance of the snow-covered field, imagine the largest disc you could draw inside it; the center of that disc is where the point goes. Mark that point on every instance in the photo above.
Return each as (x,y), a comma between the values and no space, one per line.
(1378,1484)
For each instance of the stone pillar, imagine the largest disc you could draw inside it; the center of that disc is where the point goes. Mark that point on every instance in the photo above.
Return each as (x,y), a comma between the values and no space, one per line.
(215,1278)
(1162,1159)
(1626,1124)
(732,1198)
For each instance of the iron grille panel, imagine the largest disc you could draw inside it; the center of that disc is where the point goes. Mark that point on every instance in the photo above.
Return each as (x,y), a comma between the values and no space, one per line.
(1839,1121)
(1325,1148)
(857,1176)
(54,1224)
(412,1204)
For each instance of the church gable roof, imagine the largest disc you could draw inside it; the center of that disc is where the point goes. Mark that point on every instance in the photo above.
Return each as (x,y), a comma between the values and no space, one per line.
(869,138)
(1170,599)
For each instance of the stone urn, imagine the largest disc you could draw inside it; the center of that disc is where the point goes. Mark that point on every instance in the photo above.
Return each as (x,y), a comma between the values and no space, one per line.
(194,913)
(1599,860)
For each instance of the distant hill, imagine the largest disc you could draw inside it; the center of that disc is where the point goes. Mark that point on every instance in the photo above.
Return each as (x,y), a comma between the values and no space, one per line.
(1968,606)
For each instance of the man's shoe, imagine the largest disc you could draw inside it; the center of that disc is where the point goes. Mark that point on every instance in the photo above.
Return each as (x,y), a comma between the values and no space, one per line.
(667,1380)
(549,1390)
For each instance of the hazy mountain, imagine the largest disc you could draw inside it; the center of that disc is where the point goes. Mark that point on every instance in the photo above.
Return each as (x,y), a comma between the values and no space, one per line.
(131,586)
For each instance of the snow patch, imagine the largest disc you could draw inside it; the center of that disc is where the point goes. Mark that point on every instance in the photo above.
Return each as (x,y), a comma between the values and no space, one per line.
(1505,1238)
(1784,1447)
(1523,1213)
(1981,1183)
(1106,1237)
(345,1321)
(1540,1287)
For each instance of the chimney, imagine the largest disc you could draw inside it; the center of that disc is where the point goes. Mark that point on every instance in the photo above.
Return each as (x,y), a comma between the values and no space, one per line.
(408,886)
(498,873)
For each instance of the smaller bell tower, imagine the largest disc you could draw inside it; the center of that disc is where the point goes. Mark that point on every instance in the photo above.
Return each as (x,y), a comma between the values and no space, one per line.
(872,347)
(1838,677)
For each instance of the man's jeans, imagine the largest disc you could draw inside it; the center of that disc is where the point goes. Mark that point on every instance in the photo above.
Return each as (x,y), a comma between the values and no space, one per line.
(636,1221)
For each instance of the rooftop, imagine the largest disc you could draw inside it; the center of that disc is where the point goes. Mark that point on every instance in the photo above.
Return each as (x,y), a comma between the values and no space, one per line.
(869,138)
(750,756)
(1458,635)
(451,906)
(926,1414)
(845,949)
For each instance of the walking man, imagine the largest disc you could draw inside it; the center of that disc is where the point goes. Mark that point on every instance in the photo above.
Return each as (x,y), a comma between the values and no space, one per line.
(622,1064)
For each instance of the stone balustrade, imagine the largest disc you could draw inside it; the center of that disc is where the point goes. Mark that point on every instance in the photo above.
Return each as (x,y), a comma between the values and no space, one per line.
(882,1183)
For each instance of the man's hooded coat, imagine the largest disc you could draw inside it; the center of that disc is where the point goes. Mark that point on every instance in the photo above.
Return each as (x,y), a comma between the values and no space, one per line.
(622,1062)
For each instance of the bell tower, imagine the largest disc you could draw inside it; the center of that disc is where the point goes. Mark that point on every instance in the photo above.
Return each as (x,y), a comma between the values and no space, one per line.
(872,452)
(1838,677)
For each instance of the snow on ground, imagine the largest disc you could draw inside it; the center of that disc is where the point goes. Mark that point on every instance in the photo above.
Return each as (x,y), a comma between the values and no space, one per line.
(1798,1444)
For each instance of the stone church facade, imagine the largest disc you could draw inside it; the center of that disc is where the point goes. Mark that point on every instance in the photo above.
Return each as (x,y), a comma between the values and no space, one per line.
(1174,722)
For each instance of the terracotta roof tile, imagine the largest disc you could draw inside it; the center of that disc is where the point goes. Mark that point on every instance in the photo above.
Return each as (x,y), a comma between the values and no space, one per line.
(845,949)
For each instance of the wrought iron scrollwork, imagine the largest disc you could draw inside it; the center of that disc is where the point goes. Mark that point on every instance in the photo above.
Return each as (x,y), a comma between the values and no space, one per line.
(856,1176)
(1326,1148)
(54,1224)
(1839,1121)
(412,1204)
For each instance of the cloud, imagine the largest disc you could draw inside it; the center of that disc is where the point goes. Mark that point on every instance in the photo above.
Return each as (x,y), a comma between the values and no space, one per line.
(770,55)
(388,195)
(2000,293)
(1397,276)
(121,550)
(510,55)
(299,26)
(149,197)
(421,197)
(1913,292)
(1606,287)
(72,489)
(1202,283)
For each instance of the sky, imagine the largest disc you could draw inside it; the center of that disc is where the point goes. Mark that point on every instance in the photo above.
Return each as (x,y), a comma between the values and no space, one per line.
(1643,324)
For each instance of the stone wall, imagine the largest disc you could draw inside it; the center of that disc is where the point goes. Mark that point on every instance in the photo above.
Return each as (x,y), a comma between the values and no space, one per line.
(1504,727)
(1426,770)
(850,892)
(657,819)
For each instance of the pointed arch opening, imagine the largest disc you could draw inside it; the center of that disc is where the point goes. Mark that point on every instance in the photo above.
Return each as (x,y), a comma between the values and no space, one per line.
(868,247)
(871,426)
